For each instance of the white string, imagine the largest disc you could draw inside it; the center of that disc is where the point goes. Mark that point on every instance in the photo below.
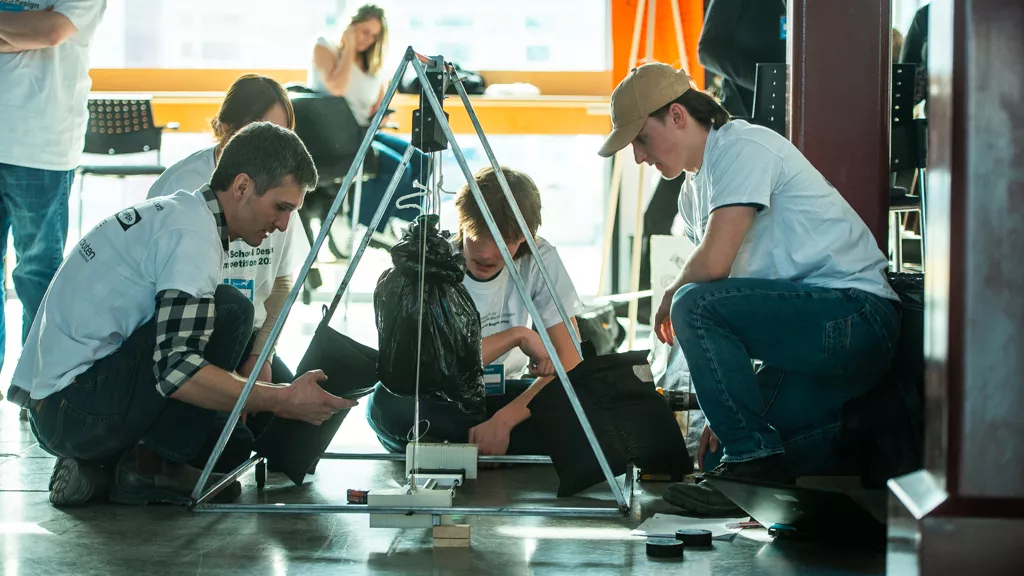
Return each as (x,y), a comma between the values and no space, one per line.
(409,437)
(419,343)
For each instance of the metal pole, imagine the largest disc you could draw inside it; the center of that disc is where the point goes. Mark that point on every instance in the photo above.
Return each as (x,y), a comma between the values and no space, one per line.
(282,508)
(530,241)
(325,228)
(518,280)
(507,459)
(228,479)
(357,253)
(356,208)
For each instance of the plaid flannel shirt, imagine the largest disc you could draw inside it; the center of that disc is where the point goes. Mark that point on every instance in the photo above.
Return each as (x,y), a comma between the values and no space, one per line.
(184,323)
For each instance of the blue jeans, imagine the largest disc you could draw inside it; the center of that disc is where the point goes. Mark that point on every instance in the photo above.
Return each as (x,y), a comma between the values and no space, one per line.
(35,204)
(114,403)
(390,150)
(819,347)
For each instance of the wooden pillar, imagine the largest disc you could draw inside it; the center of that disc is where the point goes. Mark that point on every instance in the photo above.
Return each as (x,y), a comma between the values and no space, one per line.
(965,512)
(839,67)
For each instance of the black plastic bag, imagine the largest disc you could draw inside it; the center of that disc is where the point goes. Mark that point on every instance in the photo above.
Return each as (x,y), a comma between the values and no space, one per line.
(449,355)
(632,422)
(599,325)
(293,446)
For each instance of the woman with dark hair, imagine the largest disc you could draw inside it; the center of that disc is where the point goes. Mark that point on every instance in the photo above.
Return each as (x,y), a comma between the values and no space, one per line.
(351,69)
(784,272)
(263,274)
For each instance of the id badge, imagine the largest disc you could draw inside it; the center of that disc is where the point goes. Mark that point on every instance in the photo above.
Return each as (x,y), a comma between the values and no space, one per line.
(246,286)
(494,379)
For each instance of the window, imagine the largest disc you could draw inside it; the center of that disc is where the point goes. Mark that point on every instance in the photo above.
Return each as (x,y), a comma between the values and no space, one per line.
(569,35)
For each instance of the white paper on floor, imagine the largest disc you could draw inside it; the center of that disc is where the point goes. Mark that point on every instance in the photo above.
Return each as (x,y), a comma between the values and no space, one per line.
(665,526)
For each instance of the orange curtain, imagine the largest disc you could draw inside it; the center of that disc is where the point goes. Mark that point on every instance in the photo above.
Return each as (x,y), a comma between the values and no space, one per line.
(623,16)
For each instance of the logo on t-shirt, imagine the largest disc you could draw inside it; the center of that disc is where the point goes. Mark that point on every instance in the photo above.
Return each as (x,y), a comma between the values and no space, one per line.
(128,218)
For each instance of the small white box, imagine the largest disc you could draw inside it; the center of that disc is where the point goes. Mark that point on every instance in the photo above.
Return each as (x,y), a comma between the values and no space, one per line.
(443,457)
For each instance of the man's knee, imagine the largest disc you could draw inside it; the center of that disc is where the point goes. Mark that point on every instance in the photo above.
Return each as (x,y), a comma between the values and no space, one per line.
(687,306)
(234,310)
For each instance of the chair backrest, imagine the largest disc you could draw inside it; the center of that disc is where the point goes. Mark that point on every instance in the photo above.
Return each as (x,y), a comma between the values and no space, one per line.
(903,150)
(121,127)
(770,97)
(327,127)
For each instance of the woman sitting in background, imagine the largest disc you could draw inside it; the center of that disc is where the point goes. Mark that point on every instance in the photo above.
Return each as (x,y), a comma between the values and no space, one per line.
(351,69)
(264,274)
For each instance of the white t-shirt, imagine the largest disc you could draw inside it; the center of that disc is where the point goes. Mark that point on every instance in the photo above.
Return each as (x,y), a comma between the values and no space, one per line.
(804,231)
(363,89)
(501,307)
(43,112)
(107,285)
(251,270)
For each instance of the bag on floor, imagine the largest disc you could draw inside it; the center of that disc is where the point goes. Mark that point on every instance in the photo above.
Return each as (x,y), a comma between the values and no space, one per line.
(883,430)
(632,422)
(599,325)
(293,446)
(449,353)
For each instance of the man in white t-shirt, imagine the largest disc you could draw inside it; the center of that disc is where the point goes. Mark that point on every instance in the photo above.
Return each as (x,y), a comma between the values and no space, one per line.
(514,358)
(44,85)
(131,355)
(263,273)
(785,272)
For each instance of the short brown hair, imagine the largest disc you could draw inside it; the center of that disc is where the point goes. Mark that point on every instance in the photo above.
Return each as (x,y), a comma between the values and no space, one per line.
(525,192)
(248,100)
(702,107)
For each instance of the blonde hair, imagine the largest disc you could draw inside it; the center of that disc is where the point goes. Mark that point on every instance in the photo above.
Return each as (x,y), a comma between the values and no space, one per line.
(526,194)
(372,57)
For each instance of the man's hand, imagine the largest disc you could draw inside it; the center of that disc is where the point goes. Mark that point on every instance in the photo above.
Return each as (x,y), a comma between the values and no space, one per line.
(531,345)
(250,364)
(663,318)
(707,438)
(305,400)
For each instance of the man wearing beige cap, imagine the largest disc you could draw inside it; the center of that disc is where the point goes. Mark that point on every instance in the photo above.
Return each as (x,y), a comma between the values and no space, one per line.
(785,272)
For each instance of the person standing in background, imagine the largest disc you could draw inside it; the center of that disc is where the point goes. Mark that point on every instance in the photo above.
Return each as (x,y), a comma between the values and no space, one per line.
(737,35)
(44,71)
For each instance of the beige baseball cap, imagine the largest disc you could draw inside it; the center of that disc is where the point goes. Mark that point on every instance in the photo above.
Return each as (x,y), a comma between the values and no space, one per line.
(643,92)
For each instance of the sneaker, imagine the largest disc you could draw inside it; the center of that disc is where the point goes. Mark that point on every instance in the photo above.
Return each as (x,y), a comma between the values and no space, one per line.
(77,482)
(172,485)
(704,500)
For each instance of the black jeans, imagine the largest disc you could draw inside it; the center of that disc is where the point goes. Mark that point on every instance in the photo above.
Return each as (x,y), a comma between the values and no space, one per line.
(114,404)
(280,373)
(391,418)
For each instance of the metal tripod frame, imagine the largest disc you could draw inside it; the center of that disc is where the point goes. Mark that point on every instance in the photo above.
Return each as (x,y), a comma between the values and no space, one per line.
(622,495)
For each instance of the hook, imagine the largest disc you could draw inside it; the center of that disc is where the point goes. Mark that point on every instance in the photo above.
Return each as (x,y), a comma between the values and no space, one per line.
(418,206)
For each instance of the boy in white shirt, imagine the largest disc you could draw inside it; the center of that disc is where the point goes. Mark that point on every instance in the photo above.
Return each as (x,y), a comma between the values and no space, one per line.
(511,349)
(784,272)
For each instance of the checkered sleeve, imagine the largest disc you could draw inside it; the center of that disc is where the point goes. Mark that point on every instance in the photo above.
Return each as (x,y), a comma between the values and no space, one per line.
(184,324)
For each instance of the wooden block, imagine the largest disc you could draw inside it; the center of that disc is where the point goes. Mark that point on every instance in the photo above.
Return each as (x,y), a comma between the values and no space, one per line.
(451,542)
(455,531)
